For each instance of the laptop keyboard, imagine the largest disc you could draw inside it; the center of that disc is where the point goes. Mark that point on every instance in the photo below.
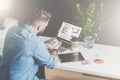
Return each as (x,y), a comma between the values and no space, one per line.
(65,43)
(62,49)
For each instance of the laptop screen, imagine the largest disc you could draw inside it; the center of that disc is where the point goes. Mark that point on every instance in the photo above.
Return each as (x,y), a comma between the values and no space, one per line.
(68,31)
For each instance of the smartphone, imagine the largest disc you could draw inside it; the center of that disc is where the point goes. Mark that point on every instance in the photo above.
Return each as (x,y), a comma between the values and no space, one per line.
(51,43)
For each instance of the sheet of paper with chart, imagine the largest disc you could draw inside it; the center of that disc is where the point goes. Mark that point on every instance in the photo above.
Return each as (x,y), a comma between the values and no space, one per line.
(67,31)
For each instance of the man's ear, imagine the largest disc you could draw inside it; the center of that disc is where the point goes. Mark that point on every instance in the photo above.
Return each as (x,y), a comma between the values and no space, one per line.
(39,28)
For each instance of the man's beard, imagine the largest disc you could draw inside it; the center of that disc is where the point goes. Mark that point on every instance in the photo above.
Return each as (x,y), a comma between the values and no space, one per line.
(40,33)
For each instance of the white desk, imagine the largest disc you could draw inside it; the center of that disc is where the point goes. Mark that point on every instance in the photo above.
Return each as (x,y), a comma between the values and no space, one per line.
(109,69)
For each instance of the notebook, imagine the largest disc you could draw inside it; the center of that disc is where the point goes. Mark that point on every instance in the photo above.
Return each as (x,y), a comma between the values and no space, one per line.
(70,57)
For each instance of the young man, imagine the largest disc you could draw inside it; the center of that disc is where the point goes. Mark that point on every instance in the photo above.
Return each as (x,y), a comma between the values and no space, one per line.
(24,53)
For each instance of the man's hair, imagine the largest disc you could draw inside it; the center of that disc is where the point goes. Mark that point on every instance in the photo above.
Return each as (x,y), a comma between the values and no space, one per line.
(40,15)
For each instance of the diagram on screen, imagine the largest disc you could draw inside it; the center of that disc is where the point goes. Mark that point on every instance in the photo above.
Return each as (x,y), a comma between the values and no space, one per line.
(68,31)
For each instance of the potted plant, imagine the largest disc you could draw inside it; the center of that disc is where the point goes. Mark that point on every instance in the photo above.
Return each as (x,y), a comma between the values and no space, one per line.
(88,21)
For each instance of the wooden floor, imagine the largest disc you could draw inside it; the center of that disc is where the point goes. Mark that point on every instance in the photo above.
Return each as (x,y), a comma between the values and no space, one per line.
(59,74)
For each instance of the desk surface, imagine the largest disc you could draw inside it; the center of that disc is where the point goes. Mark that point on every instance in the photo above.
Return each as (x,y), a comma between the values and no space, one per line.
(110,55)
(110,67)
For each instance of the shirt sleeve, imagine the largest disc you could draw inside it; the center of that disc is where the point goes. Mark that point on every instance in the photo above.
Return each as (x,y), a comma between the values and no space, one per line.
(42,55)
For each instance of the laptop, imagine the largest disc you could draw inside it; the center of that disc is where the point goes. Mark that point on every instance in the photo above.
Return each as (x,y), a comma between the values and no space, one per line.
(66,33)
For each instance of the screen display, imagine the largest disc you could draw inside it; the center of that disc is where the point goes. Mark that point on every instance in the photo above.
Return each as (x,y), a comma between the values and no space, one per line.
(68,31)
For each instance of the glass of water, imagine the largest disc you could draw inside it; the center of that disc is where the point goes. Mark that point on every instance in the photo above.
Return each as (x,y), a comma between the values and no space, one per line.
(89,40)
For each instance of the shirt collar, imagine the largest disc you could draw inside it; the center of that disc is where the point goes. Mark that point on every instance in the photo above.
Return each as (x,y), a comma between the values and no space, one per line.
(26,26)
(27,32)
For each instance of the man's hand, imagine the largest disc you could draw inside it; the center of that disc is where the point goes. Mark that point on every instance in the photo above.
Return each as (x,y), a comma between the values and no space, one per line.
(54,52)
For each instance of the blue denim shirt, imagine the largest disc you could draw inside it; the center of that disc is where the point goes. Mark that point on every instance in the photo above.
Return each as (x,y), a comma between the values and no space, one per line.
(23,54)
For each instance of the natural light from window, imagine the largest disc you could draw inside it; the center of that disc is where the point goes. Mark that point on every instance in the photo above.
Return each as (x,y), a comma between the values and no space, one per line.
(5,5)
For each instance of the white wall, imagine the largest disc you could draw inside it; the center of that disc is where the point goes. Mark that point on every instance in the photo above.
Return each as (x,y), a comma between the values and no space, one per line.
(8,23)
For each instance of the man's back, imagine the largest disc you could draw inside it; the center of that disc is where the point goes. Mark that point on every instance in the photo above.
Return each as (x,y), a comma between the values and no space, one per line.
(16,49)
(23,54)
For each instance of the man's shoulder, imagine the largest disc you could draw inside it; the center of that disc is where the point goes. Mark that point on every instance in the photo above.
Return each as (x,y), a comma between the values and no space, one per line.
(13,29)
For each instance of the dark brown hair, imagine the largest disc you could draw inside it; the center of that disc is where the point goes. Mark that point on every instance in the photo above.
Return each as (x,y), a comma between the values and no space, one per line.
(40,15)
